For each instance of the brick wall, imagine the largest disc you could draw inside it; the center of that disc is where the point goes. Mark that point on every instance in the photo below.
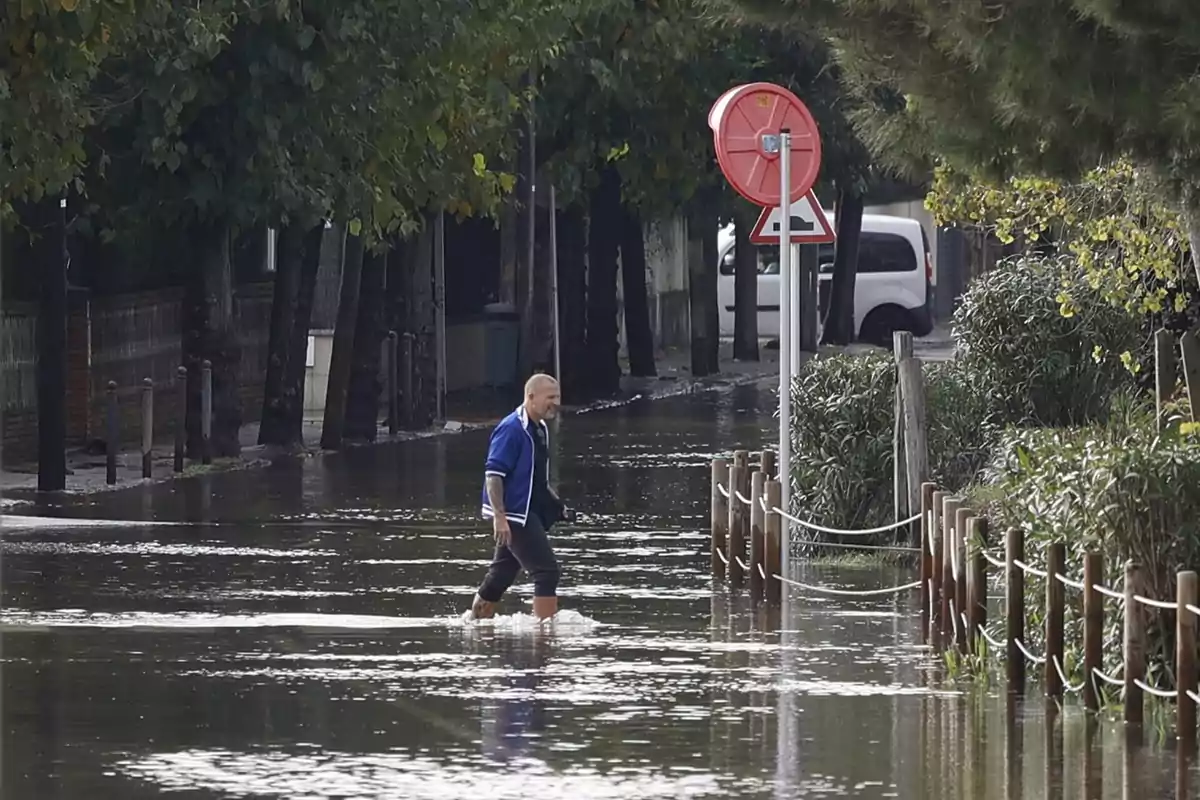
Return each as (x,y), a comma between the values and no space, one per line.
(126,339)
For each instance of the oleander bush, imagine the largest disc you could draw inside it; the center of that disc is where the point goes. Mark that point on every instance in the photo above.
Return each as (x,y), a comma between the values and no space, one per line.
(1052,349)
(1021,362)
(1118,488)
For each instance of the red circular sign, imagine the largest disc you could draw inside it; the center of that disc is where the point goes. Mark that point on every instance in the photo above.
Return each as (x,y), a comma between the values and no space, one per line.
(746,122)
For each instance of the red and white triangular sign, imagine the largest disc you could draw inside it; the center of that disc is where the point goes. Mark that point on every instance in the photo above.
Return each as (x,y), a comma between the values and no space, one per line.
(809,223)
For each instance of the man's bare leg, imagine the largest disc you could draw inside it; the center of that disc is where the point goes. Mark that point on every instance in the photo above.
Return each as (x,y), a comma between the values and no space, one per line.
(545,607)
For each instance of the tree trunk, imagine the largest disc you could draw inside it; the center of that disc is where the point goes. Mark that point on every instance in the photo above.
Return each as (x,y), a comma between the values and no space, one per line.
(542,357)
(283,411)
(745,289)
(340,359)
(638,335)
(696,314)
(1190,209)
(292,418)
(49,224)
(420,322)
(362,401)
(839,316)
(572,300)
(603,363)
(712,320)
(210,335)
(283,299)
(526,216)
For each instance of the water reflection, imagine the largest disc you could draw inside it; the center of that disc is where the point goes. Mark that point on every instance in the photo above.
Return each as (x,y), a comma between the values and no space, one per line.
(297,635)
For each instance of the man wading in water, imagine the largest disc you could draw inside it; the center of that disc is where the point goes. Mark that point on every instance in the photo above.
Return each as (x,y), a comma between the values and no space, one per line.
(518,499)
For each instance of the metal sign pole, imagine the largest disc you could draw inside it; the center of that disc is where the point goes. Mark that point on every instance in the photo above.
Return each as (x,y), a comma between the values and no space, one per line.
(786,280)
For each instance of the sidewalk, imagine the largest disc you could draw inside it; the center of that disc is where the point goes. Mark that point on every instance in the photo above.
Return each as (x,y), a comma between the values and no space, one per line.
(470,411)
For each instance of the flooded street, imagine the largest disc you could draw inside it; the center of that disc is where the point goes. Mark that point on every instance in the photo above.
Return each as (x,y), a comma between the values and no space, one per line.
(296,632)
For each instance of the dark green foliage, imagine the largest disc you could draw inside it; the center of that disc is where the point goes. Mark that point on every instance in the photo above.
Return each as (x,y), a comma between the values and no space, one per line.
(1022,363)
(1044,368)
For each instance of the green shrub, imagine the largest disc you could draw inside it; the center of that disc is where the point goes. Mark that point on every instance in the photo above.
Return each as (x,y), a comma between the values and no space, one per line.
(1043,367)
(842,427)
(1117,489)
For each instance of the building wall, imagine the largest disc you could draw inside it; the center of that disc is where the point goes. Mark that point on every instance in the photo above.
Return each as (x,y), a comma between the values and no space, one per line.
(126,339)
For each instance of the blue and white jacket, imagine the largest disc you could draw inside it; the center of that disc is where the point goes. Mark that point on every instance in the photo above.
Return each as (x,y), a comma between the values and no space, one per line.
(510,456)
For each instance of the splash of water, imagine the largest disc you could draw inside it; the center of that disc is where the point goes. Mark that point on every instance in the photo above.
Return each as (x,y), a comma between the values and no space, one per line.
(565,621)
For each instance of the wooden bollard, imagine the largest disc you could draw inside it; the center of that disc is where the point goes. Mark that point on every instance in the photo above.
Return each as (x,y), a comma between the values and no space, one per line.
(113,434)
(960,579)
(757,530)
(977,581)
(773,546)
(1135,645)
(181,382)
(1185,657)
(206,412)
(768,466)
(950,610)
(739,515)
(1093,629)
(927,490)
(720,516)
(938,624)
(1014,597)
(1056,564)
(393,383)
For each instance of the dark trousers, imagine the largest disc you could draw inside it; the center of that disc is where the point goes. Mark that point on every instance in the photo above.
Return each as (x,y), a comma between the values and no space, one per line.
(530,548)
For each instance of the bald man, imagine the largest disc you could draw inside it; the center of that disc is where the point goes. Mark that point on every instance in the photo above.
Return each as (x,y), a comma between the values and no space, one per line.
(518,499)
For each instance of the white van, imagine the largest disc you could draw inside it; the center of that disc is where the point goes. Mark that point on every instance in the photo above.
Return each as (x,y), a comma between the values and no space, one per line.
(891,291)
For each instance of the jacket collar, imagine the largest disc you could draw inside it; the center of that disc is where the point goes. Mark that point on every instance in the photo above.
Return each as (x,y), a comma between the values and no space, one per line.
(523,415)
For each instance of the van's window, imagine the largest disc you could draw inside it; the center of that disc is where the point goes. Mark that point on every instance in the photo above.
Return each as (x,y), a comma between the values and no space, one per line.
(885,252)
(768,260)
(877,252)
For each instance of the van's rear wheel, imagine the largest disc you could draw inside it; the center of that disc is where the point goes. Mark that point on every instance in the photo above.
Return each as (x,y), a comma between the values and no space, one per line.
(881,323)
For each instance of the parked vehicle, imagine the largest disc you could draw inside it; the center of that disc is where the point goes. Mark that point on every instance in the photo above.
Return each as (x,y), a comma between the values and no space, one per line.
(892,292)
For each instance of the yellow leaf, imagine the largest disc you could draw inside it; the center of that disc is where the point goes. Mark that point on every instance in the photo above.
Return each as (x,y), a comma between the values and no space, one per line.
(69,5)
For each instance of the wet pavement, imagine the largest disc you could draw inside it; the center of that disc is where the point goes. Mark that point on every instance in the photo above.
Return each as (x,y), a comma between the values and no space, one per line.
(295,632)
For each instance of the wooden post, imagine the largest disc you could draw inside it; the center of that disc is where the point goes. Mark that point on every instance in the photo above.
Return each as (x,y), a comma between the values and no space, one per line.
(739,515)
(1014,628)
(960,579)
(757,517)
(181,381)
(774,543)
(1135,645)
(757,531)
(147,428)
(912,387)
(902,349)
(927,538)
(1185,657)
(1164,372)
(1189,346)
(977,583)
(951,621)
(938,624)
(206,412)
(720,516)
(1093,629)
(113,434)
(768,466)
(393,383)
(1056,564)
